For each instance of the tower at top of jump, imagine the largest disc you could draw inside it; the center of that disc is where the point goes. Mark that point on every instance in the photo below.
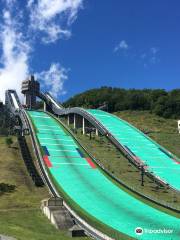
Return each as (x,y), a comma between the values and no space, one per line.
(30,88)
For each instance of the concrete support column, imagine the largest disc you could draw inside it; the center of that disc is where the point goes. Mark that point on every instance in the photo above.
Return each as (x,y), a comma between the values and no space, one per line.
(83,126)
(68,119)
(97,133)
(24,99)
(44,107)
(74,121)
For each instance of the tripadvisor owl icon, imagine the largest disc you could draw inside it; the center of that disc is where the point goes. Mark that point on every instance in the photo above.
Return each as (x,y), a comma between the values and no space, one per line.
(139,231)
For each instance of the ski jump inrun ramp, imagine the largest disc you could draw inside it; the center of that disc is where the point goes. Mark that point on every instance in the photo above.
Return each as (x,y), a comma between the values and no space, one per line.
(85,185)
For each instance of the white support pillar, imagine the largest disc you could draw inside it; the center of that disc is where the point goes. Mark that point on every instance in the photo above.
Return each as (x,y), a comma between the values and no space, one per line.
(83,126)
(44,107)
(97,133)
(68,119)
(74,121)
(179,126)
(24,99)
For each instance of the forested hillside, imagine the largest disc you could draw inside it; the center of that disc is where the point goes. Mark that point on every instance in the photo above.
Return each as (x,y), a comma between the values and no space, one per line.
(158,101)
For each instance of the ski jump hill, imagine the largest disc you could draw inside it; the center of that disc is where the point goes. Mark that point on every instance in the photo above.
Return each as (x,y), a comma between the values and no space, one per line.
(96,201)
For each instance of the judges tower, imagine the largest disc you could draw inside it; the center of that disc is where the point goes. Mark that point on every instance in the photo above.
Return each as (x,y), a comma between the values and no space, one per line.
(30,89)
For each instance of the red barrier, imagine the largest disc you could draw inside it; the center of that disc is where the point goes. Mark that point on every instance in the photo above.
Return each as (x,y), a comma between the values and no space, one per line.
(47,161)
(175,161)
(90,162)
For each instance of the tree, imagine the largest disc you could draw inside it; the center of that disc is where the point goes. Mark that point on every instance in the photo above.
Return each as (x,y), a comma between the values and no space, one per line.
(161,102)
(9,141)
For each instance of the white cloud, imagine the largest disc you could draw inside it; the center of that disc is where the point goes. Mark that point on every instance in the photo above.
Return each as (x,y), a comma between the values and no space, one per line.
(54,33)
(15,54)
(121,46)
(143,56)
(53,17)
(30,3)
(18,38)
(147,57)
(150,56)
(53,79)
(154,55)
(154,50)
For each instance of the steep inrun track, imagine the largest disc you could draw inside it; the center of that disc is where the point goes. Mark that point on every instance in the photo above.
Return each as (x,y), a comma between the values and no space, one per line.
(159,161)
(86,185)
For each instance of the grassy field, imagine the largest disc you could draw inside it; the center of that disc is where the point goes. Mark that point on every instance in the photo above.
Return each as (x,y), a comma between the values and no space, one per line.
(20,214)
(162,130)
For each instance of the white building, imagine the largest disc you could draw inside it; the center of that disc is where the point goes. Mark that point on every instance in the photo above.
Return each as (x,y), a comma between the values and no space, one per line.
(179,126)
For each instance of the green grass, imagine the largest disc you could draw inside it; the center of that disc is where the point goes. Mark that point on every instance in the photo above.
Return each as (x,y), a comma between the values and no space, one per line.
(29,224)
(20,214)
(118,165)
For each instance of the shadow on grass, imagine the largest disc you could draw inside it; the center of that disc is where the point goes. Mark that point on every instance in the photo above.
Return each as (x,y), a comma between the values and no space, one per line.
(6,188)
(14,147)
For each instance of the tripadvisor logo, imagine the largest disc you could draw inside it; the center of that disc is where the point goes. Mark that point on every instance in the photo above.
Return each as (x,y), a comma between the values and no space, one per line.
(139,231)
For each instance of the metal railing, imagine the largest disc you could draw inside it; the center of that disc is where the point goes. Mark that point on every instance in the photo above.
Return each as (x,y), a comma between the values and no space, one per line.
(16,112)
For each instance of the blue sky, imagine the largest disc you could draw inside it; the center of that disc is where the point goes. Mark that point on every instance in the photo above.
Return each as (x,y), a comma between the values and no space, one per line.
(128,44)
